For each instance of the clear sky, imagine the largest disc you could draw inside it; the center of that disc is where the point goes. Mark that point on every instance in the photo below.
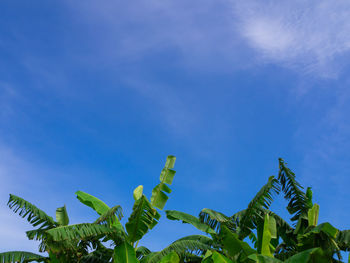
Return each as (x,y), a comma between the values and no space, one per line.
(95,94)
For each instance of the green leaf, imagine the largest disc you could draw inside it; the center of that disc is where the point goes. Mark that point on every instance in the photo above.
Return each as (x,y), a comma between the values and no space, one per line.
(207,255)
(37,234)
(20,256)
(343,240)
(299,203)
(263,259)
(124,253)
(309,195)
(326,228)
(189,219)
(218,258)
(269,232)
(308,256)
(62,216)
(262,199)
(138,192)
(181,246)
(215,257)
(284,230)
(322,236)
(213,219)
(313,215)
(170,162)
(110,216)
(99,206)
(156,218)
(170,258)
(34,215)
(167,176)
(159,197)
(235,247)
(100,255)
(80,231)
(53,258)
(142,252)
(141,219)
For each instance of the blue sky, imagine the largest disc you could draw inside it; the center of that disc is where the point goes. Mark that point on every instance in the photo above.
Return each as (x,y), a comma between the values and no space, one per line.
(95,94)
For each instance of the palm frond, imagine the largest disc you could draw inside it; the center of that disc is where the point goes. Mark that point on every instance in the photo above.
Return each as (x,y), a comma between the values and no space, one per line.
(34,215)
(298,202)
(20,256)
(80,231)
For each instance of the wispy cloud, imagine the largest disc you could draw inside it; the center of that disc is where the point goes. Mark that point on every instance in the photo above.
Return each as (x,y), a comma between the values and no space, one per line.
(310,36)
(7,95)
(25,176)
(12,227)
(199,34)
(167,106)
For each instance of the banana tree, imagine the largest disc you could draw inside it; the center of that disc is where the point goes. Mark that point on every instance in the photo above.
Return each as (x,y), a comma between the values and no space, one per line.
(125,239)
(273,238)
(307,234)
(58,251)
(228,233)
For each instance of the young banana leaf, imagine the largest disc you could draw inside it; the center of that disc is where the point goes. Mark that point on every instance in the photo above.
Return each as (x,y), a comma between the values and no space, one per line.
(99,206)
(159,193)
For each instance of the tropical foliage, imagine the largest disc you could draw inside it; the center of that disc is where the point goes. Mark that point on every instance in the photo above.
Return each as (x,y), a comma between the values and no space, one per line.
(272,238)
(255,234)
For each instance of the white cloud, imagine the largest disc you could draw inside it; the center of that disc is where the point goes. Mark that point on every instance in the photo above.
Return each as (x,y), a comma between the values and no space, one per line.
(310,36)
